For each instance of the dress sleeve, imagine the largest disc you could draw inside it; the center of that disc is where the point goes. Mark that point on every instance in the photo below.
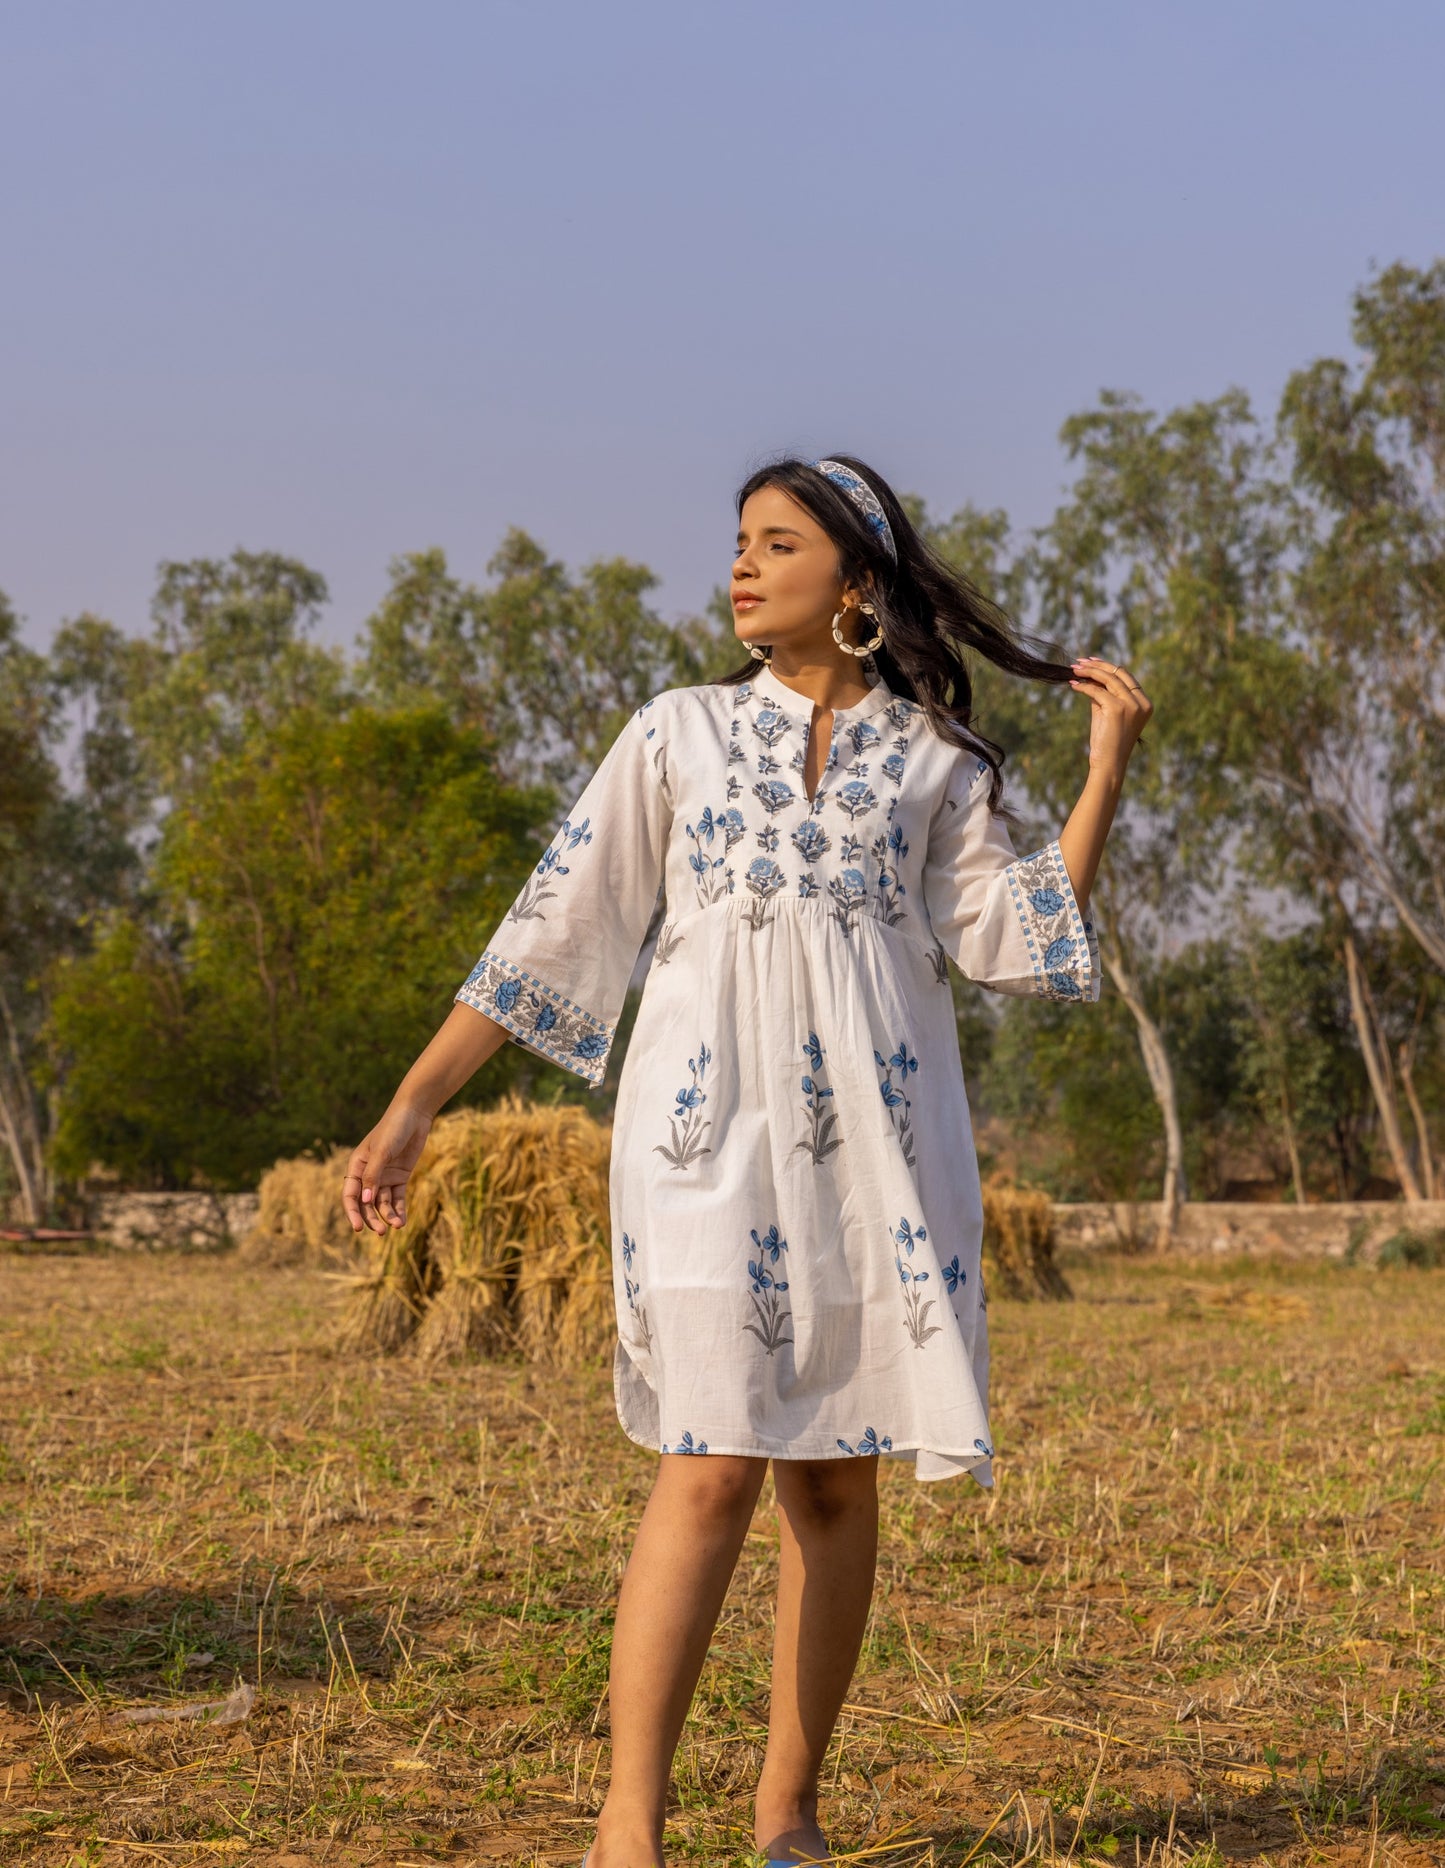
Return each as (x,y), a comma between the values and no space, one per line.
(1009,922)
(555,972)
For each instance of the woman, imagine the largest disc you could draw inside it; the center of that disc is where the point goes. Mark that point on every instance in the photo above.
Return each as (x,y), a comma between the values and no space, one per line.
(795,1206)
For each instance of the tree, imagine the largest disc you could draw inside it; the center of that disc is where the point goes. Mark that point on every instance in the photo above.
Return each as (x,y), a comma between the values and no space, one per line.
(61,855)
(1166,542)
(316,900)
(548,666)
(1343,731)
(230,654)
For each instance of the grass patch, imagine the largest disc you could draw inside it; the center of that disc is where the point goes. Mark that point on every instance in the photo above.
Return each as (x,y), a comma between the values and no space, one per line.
(1200,1620)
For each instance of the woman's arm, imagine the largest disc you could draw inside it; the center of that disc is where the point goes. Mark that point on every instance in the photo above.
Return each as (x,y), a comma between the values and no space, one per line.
(1120,711)
(374,1190)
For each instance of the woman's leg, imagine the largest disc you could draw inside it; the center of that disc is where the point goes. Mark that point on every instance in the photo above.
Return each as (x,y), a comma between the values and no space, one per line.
(828,1512)
(687,1547)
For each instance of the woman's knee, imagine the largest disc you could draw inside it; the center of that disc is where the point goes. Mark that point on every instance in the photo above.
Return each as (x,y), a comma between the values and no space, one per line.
(820,1492)
(718,1486)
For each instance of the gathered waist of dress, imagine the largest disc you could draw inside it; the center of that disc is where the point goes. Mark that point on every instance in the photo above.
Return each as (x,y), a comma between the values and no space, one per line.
(834,909)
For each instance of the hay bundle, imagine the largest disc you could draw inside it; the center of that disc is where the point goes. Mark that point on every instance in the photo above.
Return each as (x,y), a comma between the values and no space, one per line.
(300,1220)
(1018,1241)
(505,1245)
(476,1236)
(385,1304)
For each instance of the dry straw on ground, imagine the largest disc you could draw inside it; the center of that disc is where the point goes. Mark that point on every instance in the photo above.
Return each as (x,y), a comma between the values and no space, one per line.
(1199,1623)
(506,1241)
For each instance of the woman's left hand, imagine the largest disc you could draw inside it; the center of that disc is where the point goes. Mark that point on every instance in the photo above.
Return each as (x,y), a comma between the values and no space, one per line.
(1120,709)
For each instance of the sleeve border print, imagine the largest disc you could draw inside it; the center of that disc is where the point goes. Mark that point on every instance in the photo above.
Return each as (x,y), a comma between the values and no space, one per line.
(560,1031)
(1061,943)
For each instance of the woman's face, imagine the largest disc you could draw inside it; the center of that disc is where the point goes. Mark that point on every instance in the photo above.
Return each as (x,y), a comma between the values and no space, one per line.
(786,582)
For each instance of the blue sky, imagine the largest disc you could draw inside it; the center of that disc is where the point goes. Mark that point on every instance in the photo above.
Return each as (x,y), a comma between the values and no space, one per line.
(345,281)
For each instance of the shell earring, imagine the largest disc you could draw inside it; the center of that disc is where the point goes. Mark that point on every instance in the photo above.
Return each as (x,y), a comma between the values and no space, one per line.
(760,654)
(864,609)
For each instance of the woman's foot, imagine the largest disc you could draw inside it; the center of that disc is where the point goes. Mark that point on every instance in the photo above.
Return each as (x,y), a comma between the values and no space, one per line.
(793,1836)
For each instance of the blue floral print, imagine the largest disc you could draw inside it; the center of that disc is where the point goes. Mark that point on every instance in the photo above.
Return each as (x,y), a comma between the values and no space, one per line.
(870,1443)
(820,1140)
(771,726)
(1056,937)
(770,1315)
(538,1015)
(916,1305)
(855,798)
(712,886)
(686,1445)
(633,1292)
(774,794)
(535,891)
(954,1275)
(810,840)
(889,849)
(895,1101)
(764,879)
(849,891)
(687,1128)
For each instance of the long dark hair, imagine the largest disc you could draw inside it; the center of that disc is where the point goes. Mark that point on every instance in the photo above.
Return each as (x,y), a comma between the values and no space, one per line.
(929,612)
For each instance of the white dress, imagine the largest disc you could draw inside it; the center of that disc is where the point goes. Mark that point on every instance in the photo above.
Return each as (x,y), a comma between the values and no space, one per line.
(795,1207)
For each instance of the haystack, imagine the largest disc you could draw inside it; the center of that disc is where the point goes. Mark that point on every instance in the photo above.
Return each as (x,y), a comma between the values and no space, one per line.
(387,1302)
(300,1220)
(505,1245)
(1018,1241)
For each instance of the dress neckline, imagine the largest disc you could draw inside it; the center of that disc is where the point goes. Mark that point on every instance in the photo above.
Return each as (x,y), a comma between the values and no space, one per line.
(770,691)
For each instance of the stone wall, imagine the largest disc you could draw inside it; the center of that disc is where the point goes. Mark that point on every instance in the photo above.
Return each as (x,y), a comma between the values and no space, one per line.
(200,1222)
(172,1222)
(1216,1228)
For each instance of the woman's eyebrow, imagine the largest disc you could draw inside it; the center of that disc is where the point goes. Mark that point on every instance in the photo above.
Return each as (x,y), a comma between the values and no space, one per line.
(773,531)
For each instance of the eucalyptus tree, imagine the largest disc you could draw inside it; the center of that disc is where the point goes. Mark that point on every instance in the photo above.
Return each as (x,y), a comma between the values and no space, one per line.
(1160,559)
(546,665)
(64,854)
(1346,720)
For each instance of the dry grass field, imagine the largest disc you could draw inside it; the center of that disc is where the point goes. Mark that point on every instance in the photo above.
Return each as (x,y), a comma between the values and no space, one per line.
(1202,1619)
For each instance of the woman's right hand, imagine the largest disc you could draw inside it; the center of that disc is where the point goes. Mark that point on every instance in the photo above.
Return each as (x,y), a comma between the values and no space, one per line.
(374,1190)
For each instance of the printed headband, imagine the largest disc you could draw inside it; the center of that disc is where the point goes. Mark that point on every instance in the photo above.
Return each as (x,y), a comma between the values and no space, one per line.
(863,497)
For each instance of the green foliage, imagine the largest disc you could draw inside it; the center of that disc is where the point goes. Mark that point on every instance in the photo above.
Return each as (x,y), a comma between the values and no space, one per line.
(548,667)
(1074,1092)
(1424,1250)
(61,857)
(316,904)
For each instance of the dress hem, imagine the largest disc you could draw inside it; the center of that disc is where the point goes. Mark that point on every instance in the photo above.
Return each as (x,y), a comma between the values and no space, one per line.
(908,1453)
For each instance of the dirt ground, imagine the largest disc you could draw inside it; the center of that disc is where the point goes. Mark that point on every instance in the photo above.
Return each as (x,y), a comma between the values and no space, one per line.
(1201,1619)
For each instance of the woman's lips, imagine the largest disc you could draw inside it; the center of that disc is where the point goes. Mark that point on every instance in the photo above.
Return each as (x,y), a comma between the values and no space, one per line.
(746,602)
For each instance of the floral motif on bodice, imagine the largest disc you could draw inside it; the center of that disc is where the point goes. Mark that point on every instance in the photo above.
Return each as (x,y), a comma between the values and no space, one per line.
(766,838)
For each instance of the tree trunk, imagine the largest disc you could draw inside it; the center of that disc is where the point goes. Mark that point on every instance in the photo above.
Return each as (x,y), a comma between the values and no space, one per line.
(1290,1142)
(1406,1056)
(1377,1067)
(20,1126)
(1161,1081)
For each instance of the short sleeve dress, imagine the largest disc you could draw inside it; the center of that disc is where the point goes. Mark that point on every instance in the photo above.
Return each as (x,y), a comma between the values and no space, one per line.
(795,1207)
